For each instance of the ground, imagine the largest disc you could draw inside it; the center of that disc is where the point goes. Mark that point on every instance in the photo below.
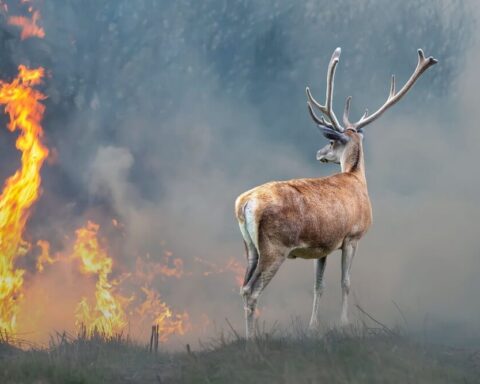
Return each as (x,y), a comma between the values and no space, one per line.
(355,355)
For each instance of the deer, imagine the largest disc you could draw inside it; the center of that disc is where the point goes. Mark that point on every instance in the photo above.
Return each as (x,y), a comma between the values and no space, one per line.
(310,218)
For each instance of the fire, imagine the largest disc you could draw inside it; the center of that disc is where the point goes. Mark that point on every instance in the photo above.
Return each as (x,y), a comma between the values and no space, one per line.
(162,315)
(232,266)
(147,269)
(108,317)
(173,268)
(152,309)
(23,105)
(45,257)
(237,269)
(29,26)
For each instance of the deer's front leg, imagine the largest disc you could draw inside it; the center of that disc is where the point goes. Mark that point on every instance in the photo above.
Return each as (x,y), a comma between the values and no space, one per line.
(348,252)
(319,286)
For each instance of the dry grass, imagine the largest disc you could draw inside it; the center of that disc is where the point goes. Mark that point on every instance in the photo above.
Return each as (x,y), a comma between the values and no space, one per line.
(355,355)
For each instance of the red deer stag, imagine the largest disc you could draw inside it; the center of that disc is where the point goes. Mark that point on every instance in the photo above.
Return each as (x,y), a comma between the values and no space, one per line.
(311,218)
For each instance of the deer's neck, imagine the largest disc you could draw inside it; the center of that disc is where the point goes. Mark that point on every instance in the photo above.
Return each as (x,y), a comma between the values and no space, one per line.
(353,160)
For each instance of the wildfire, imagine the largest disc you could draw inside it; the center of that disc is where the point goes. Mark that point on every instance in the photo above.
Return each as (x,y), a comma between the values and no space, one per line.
(44,257)
(108,316)
(23,105)
(232,266)
(175,270)
(152,309)
(169,266)
(162,315)
(28,25)
(107,313)
(147,269)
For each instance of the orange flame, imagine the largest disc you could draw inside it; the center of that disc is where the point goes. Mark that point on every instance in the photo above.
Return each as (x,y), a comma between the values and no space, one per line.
(147,270)
(232,266)
(22,103)
(163,316)
(44,257)
(28,25)
(108,317)
(171,271)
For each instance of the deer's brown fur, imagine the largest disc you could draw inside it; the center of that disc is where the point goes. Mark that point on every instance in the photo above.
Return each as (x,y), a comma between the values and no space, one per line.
(313,217)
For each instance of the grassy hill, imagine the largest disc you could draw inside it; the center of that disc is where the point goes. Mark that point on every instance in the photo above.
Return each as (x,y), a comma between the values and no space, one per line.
(356,355)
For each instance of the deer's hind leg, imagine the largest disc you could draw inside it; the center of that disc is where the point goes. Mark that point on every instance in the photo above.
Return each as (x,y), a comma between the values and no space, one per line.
(248,228)
(252,260)
(269,261)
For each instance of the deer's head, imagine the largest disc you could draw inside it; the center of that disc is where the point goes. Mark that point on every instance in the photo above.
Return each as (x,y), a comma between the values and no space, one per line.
(344,138)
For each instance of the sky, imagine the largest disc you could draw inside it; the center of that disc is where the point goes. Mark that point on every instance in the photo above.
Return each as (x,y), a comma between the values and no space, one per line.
(160,113)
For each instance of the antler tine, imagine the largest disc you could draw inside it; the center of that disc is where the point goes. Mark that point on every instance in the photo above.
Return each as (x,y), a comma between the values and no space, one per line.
(392,87)
(318,120)
(346,112)
(422,65)
(327,108)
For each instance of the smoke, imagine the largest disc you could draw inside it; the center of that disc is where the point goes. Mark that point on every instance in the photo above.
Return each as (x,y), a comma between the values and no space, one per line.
(162,113)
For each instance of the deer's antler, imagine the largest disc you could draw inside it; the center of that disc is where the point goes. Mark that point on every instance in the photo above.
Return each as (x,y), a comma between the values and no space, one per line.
(326,109)
(393,97)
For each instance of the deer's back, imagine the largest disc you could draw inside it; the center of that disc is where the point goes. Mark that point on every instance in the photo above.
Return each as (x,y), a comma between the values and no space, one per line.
(310,217)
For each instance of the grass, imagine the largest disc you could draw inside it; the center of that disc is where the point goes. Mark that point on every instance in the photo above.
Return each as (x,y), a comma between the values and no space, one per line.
(353,355)
(94,359)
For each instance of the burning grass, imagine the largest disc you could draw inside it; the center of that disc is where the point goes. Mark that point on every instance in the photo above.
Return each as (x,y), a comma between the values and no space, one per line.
(23,103)
(356,355)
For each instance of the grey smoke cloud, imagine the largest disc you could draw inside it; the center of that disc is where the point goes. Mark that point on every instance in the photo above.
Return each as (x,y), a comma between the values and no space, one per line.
(162,113)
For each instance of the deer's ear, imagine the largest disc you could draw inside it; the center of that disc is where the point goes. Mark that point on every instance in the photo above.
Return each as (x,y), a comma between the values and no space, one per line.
(331,134)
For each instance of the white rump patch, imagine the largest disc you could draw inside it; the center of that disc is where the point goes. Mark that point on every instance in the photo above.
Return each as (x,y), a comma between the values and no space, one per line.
(250,224)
